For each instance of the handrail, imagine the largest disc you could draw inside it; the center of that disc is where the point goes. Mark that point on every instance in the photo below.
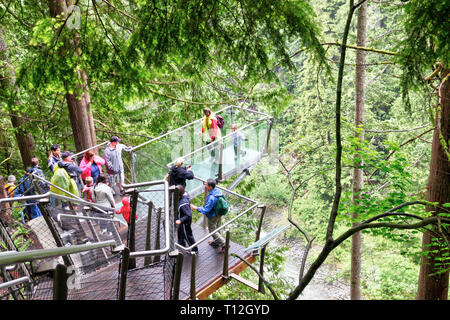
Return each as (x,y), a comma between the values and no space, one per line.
(96,146)
(14,282)
(165,250)
(87,218)
(12,257)
(218,229)
(229,191)
(57,196)
(48,170)
(255,204)
(174,130)
(218,140)
(57,187)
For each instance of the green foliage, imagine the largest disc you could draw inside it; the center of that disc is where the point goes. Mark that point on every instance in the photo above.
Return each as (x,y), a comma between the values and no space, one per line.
(426,43)
(273,267)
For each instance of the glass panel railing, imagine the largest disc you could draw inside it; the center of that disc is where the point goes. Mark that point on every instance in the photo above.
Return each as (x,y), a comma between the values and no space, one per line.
(151,159)
(225,158)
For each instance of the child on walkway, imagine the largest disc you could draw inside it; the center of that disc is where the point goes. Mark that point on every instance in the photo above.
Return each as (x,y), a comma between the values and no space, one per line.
(87,189)
(238,137)
(125,211)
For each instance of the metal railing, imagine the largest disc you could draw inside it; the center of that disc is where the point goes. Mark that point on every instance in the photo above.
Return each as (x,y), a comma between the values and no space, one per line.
(13,257)
(253,206)
(48,170)
(13,283)
(167,225)
(216,142)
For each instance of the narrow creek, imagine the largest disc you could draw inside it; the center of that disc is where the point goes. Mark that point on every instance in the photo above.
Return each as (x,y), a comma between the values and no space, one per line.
(324,285)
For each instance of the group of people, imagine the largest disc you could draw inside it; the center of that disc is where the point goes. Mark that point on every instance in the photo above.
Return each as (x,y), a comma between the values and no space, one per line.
(88,179)
(177,177)
(211,126)
(25,187)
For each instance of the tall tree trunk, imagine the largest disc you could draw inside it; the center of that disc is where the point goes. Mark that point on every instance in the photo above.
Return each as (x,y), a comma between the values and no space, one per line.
(80,112)
(358,178)
(24,139)
(435,287)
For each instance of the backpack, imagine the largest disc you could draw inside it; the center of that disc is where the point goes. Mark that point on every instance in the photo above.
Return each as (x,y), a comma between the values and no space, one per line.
(221,206)
(220,121)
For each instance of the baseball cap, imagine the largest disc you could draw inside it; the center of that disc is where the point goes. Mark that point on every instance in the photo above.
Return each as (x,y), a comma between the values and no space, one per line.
(114,139)
(66,154)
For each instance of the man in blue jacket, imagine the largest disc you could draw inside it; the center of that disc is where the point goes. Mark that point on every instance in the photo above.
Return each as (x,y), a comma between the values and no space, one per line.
(209,210)
(184,220)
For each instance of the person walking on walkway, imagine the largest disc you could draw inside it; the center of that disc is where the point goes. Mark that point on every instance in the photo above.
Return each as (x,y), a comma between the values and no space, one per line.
(210,131)
(214,220)
(36,170)
(91,165)
(210,126)
(238,137)
(184,220)
(114,162)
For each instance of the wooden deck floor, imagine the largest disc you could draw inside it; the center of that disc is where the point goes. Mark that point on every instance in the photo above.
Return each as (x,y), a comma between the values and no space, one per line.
(209,264)
(152,282)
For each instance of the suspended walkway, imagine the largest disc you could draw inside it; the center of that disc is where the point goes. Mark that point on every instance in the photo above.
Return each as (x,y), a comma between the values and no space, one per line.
(71,257)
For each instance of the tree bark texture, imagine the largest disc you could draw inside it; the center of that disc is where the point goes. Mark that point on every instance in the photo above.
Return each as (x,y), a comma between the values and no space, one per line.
(358,178)
(80,112)
(24,139)
(438,190)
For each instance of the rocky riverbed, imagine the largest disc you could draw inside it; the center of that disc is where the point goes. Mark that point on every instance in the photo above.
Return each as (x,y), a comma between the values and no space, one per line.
(325,285)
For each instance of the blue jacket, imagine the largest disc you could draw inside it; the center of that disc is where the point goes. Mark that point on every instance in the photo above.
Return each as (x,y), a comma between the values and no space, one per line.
(209,209)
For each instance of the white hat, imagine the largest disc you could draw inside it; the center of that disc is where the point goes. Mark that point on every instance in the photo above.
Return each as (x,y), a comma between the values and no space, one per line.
(179,161)
(11,179)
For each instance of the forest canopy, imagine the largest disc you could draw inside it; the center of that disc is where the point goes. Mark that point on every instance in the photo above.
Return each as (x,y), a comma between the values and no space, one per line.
(75,72)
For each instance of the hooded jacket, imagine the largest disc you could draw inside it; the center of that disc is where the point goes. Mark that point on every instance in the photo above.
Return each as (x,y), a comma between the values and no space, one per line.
(178,175)
(62,179)
(73,171)
(184,209)
(209,209)
(125,211)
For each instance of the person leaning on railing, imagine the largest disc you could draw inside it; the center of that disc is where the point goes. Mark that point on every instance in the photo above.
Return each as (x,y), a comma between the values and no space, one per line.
(209,210)
(178,174)
(114,162)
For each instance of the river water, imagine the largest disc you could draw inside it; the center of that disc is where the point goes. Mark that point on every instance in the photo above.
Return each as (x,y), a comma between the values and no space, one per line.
(325,285)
